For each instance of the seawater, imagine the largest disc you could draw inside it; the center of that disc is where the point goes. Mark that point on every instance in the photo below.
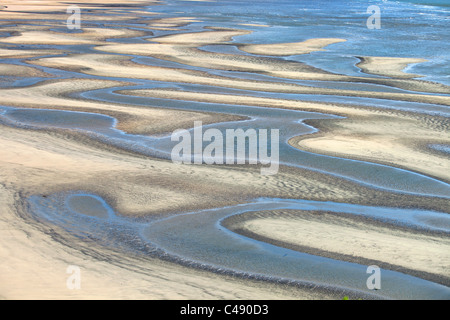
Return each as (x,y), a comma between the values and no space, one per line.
(412,29)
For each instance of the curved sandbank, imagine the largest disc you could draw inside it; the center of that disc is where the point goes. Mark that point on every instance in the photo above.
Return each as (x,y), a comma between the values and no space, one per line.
(39,160)
(89,35)
(169,240)
(10,53)
(350,238)
(371,134)
(55,94)
(104,66)
(183,48)
(28,6)
(137,187)
(68,211)
(388,67)
(35,263)
(22,71)
(289,49)
(398,140)
(199,236)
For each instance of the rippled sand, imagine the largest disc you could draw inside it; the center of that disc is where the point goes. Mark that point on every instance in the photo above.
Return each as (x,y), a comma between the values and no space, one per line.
(347,238)
(97,72)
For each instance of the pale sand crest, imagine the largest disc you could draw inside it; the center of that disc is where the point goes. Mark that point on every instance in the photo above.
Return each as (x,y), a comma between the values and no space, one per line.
(135,120)
(359,240)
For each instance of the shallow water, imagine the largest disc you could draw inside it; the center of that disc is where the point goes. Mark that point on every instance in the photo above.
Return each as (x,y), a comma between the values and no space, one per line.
(199,237)
(289,121)
(408,30)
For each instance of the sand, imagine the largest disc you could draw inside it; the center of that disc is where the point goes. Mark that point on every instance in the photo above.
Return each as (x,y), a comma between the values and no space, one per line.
(377,139)
(21,71)
(35,254)
(358,240)
(135,120)
(382,136)
(103,65)
(390,67)
(290,49)
(183,48)
(34,263)
(88,36)
(20,54)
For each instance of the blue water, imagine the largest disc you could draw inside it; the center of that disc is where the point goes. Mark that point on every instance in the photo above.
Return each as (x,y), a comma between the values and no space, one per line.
(198,237)
(414,28)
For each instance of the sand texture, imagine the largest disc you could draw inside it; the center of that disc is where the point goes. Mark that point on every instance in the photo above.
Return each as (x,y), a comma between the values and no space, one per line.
(86,118)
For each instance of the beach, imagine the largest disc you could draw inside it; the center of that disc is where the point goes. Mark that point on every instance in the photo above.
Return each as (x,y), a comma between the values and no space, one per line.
(87,118)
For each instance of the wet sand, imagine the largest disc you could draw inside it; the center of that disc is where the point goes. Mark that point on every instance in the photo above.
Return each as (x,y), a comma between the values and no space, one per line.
(388,67)
(45,156)
(289,49)
(353,239)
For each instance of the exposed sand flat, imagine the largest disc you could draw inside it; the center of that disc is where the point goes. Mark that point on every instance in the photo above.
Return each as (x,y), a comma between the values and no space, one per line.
(52,95)
(88,36)
(39,37)
(135,186)
(154,186)
(132,185)
(182,48)
(20,54)
(173,48)
(59,16)
(21,71)
(49,162)
(107,33)
(136,120)
(45,5)
(171,23)
(255,25)
(350,238)
(382,136)
(338,109)
(192,39)
(393,139)
(57,10)
(104,65)
(388,67)
(290,49)
(34,263)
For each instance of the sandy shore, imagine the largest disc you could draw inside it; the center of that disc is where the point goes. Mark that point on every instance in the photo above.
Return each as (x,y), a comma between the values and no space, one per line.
(183,48)
(135,120)
(29,246)
(22,71)
(289,49)
(391,67)
(384,136)
(103,65)
(35,254)
(346,237)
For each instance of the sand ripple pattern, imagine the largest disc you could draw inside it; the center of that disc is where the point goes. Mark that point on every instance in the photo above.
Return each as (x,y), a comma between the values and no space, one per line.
(86,176)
